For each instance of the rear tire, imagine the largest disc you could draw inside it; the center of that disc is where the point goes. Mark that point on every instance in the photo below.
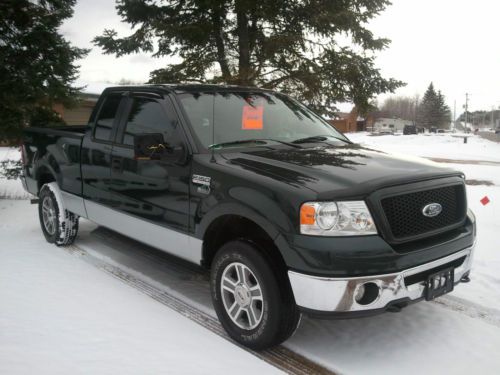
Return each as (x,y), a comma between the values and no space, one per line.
(59,226)
(253,302)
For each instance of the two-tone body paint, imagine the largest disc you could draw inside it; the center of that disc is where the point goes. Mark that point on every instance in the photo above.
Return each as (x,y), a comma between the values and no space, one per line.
(266,185)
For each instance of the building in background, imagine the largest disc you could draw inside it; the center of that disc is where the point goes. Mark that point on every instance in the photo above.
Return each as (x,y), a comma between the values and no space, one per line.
(392,125)
(352,121)
(80,113)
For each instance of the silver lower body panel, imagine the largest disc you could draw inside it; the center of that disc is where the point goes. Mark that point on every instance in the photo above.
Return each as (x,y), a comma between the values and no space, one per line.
(173,242)
(337,295)
(160,237)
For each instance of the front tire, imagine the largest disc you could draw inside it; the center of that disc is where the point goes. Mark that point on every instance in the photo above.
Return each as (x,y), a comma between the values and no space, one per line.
(253,303)
(59,226)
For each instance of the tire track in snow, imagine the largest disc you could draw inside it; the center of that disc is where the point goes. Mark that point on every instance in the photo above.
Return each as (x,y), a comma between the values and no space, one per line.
(280,357)
(491,316)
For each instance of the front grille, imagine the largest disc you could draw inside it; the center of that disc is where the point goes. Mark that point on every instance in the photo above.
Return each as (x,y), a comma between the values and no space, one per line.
(404,212)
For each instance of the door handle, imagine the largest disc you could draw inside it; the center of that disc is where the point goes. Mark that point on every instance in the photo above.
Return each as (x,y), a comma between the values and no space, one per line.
(116,164)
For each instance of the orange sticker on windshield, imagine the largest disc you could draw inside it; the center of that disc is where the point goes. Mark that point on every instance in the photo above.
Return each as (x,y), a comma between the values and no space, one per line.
(252,118)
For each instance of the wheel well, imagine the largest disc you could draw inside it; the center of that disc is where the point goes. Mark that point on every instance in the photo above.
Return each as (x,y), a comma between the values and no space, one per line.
(232,227)
(44,177)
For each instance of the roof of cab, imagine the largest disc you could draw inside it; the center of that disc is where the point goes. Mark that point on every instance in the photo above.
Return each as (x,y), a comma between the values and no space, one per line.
(180,87)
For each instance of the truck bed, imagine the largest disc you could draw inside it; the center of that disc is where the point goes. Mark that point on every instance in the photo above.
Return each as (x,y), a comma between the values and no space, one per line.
(75,131)
(53,152)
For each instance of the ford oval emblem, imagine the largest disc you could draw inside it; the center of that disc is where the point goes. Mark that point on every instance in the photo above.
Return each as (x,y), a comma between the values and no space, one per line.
(432,209)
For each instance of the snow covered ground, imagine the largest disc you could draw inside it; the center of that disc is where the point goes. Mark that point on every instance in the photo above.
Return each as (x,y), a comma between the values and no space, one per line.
(11,189)
(59,314)
(433,145)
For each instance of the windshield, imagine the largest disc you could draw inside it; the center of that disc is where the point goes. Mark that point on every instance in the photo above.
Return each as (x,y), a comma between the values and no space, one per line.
(241,116)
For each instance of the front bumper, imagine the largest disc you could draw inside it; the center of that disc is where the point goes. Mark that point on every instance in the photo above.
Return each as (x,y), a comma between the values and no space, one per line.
(337,295)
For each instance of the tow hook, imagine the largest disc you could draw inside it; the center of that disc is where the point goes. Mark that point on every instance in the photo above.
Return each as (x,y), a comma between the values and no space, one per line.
(397,307)
(465,279)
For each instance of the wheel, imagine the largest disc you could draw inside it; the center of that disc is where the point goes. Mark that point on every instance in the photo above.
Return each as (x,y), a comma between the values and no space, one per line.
(253,301)
(59,226)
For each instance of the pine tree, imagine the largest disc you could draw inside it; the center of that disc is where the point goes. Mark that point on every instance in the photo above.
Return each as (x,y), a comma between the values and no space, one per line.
(37,64)
(444,112)
(433,111)
(288,45)
(426,110)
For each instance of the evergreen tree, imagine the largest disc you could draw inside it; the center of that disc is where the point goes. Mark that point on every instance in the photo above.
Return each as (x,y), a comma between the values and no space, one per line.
(444,113)
(426,110)
(288,45)
(433,111)
(37,64)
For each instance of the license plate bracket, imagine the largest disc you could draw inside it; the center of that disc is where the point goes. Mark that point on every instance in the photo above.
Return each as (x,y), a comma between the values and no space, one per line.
(440,283)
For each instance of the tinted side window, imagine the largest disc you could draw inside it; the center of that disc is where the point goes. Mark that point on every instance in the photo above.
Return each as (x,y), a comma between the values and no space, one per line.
(104,123)
(147,116)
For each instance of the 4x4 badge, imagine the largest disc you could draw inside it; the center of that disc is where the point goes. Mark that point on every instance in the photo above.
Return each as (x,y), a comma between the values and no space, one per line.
(432,209)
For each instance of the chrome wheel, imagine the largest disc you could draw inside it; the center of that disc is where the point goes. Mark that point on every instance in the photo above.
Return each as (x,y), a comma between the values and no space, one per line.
(49,215)
(242,296)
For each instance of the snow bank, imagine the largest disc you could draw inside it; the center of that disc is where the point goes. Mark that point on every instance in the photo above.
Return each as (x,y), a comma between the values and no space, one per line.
(11,189)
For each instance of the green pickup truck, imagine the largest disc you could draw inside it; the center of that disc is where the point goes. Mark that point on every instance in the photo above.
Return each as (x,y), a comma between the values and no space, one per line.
(288,214)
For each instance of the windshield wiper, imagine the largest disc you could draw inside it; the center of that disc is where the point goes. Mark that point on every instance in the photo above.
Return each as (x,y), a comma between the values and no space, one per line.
(261,141)
(318,138)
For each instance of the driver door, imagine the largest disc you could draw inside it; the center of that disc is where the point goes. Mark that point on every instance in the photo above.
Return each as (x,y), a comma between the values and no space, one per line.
(151,192)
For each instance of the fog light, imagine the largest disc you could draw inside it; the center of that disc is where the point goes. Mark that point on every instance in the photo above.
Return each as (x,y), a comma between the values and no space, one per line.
(366,293)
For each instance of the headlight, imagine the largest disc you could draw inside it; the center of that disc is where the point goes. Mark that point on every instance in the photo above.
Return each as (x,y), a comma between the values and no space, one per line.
(349,218)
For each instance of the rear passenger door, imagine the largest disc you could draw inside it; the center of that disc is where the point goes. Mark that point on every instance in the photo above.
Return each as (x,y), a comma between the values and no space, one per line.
(152,190)
(96,150)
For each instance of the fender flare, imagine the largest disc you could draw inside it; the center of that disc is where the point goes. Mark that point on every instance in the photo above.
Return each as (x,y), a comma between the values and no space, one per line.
(43,165)
(235,209)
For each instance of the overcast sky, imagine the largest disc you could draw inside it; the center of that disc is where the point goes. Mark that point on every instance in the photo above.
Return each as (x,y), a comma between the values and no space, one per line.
(454,43)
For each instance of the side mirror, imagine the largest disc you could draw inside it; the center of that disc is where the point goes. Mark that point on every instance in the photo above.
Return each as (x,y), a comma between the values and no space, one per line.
(152,146)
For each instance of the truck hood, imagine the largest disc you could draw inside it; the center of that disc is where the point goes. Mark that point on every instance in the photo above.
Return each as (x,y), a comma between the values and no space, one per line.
(338,171)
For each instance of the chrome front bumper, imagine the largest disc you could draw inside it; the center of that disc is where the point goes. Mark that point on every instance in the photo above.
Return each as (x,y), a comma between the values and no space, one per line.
(337,295)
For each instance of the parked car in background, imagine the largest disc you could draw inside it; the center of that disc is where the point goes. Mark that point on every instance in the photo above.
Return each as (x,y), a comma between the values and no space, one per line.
(409,129)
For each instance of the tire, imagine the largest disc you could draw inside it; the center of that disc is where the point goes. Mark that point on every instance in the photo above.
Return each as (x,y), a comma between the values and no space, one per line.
(260,320)
(59,226)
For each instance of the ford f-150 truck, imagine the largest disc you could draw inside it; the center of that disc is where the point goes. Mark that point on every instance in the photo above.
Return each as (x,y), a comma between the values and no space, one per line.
(288,214)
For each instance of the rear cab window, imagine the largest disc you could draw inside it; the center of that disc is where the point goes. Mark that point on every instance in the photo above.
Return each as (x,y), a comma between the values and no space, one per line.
(105,119)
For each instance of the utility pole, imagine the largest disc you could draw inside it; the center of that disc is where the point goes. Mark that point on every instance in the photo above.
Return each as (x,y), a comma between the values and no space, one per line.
(454,114)
(415,111)
(466,109)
